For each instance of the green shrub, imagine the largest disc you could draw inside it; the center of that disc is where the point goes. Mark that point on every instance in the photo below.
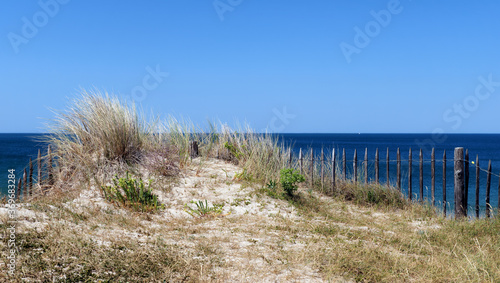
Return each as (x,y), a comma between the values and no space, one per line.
(289,179)
(130,192)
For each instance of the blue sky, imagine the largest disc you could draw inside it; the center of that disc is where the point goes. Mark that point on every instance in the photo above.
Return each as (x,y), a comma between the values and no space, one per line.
(285,66)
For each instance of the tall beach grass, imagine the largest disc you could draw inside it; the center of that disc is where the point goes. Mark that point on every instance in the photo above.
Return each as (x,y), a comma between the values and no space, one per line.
(99,136)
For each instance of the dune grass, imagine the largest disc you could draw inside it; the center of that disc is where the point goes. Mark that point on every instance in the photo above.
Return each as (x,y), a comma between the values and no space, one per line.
(98,124)
(99,132)
(99,137)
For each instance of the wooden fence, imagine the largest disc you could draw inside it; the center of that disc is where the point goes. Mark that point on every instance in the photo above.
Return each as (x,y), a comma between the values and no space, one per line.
(461,165)
(45,167)
(28,185)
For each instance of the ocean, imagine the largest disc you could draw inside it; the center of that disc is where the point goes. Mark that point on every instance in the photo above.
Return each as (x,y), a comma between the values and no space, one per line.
(16,149)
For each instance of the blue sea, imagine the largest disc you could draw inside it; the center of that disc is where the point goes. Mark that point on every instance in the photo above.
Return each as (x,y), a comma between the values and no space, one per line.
(16,149)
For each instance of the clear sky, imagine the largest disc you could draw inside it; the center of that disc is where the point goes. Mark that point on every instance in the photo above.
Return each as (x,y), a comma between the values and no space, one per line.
(289,66)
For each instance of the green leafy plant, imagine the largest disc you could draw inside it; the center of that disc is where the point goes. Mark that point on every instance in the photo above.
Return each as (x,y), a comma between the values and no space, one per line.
(132,193)
(272,185)
(203,209)
(289,179)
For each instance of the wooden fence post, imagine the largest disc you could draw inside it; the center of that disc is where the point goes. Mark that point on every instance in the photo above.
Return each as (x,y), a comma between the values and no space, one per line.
(321,168)
(477,186)
(59,164)
(193,149)
(39,168)
(290,158)
(355,166)
(459,181)
(49,164)
(398,169)
(444,183)
(421,177)
(466,182)
(19,185)
(387,169)
(312,168)
(410,191)
(344,165)
(376,167)
(366,165)
(25,184)
(301,158)
(488,185)
(433,177)
(30,189)
(333,170)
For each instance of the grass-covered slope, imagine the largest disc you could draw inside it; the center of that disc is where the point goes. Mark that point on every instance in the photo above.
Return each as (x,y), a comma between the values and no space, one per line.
(231,218)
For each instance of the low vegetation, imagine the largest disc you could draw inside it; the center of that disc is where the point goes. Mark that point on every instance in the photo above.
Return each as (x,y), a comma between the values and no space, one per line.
(255,218)
(203,209)
(289,179)
(133,193)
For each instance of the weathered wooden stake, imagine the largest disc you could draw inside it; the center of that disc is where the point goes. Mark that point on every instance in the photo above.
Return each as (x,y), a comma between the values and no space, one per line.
(312,168)
(459,182)
(398,170)
(355,166)
(421,176)
(333,170)
(301,158)
(444,183)
(194,149)
(433,177)
(387,169)
(410,191)
(19,185)
(376,166)
(344,164)
(59,164)
(39,168)
(30,189)
(466,182)
(25,184)
(49,164)
(321,166)
(488,185)
(290,158)
(477,186)
(366,165)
